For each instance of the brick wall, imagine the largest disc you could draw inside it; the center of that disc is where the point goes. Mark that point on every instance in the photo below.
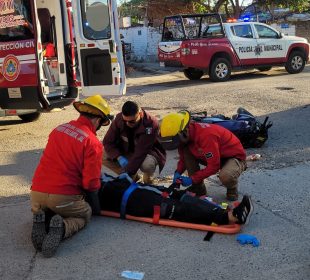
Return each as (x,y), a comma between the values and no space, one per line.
(303,29)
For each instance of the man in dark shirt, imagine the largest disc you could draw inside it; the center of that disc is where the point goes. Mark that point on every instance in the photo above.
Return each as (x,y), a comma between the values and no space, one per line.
(131,143)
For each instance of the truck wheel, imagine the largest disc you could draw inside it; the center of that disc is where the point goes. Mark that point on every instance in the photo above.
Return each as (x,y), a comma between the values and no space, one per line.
(30,117)
(220,70)
(264,68)
(296,62)
(193,74)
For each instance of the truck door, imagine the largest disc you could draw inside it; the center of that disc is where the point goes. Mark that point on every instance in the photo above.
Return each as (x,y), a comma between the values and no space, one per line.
(99,48)
(272,47)
(243,41)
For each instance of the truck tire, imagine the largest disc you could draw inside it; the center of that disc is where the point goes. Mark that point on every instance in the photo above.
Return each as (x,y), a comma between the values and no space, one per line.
(264,68)
(220,70)
(30,117)
(193,74)
(296,62)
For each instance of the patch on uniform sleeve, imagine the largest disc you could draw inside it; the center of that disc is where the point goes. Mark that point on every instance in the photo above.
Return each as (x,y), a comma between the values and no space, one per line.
(149,130)
(209,155)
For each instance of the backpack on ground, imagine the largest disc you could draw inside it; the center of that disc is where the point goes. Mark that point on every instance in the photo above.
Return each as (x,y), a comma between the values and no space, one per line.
(251,132)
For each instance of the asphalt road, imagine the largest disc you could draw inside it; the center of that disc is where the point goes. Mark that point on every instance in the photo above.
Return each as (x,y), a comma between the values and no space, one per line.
(278,183)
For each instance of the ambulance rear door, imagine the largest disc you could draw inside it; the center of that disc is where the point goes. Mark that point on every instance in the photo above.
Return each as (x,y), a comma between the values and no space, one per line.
(100,58)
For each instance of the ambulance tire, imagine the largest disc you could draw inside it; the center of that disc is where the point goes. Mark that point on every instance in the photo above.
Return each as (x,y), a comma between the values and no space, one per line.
(220,70)
(30,117)
(193,74)
(264,68)
(296,62)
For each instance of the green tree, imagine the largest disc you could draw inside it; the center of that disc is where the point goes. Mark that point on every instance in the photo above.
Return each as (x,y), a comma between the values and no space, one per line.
(139,9)
(293,5)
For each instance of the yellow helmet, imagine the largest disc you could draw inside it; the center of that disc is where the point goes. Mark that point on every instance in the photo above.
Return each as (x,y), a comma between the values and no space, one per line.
(174,123)
(170,127)
(95,105)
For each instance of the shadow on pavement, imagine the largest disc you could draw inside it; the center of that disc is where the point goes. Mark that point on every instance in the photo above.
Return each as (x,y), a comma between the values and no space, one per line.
(9,122)
(24,164)
(185,83)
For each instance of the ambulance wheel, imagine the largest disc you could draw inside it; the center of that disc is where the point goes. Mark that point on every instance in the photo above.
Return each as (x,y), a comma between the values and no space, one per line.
(30,117)
(264,68)
(296,62)
(193,74)
(220,70)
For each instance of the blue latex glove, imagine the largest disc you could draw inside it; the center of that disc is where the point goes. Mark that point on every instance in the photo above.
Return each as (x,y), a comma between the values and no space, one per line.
(125,176)
(248,239)
(186,181)
(122,161)
(176,176)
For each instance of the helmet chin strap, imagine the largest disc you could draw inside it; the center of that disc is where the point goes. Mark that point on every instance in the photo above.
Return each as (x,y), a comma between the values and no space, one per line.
(184,136)
(100,124)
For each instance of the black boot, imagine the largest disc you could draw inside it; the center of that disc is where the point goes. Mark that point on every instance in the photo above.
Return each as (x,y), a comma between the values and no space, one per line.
(54,237)
(38,230)
(244,210)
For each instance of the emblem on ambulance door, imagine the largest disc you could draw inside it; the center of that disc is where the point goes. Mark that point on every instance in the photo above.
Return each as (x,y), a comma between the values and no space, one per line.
(10,67)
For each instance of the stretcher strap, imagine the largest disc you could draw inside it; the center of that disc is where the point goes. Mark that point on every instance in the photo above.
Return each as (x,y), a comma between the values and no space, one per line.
(156,215)
(208,236)
(165,194)
(125,197)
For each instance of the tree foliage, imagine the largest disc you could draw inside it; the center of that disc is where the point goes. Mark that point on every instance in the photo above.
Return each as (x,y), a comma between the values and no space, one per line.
(293,5)
(140,9)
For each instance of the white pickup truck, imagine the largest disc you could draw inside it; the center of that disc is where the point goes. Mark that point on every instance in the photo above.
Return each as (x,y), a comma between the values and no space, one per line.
(202,44)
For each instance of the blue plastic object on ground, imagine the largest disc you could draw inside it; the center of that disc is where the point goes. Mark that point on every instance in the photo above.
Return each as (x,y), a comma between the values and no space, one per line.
(132,275)
(248,239)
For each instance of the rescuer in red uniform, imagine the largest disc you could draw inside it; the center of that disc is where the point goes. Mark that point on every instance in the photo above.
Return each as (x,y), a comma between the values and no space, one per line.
(69,170)
(209,145)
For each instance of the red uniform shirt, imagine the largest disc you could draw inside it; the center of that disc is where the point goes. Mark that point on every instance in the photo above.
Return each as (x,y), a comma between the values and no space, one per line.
(71,160)
(210,143)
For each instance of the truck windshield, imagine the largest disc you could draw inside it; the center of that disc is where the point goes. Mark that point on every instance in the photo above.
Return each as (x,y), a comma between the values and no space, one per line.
(96,19)
(15,20)
(192,26)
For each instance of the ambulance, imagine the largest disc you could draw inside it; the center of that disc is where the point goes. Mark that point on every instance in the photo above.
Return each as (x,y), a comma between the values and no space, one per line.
(202,44)
(50,51)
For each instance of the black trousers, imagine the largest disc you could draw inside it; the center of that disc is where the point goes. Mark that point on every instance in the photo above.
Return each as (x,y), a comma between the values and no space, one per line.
(178,206)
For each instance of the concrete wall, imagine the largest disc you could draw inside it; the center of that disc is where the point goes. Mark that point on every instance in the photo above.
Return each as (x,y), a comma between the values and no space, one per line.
(285,28)
(144,42)
(298,28)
